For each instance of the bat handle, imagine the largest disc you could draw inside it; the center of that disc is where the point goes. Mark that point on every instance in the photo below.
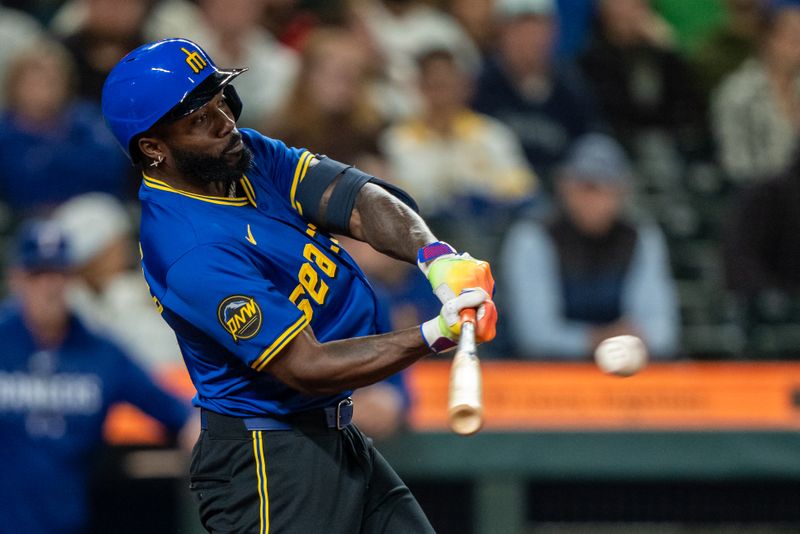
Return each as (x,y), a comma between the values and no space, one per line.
(465,406)
(468,315)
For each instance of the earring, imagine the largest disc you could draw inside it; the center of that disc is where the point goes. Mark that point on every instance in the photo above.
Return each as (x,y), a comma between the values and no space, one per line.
(157,162)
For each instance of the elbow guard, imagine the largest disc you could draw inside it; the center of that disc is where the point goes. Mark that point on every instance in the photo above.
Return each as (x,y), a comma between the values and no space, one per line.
(348,182)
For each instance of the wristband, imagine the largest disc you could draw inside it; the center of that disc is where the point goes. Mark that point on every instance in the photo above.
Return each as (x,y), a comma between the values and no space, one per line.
(431,252)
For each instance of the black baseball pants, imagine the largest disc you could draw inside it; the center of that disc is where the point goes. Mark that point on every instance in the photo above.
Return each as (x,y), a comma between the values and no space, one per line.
(307,480)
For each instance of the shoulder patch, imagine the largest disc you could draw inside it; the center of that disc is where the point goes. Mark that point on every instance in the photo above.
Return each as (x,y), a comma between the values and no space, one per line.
(240,316)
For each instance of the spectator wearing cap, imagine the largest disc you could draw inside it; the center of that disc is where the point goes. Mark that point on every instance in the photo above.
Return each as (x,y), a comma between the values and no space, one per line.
(108,291)
(544,103)
(588,273)
(57,382)
(756,110)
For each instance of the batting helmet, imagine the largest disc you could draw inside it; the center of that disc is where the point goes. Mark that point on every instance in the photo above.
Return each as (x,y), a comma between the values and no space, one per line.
(162,80)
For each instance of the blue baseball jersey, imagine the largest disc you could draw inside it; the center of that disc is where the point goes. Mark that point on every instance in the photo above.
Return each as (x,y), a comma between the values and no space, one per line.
(52,407)
(238,278)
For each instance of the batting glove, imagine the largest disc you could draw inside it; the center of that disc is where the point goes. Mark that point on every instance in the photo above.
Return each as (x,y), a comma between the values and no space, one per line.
(442,332)
(450,273)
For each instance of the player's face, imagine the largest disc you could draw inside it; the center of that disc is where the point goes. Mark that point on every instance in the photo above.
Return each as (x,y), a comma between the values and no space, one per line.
(593,207)
(42,294)
(206,146)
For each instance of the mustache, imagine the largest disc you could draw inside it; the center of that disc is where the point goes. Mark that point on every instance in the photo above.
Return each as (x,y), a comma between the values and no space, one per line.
(235,138)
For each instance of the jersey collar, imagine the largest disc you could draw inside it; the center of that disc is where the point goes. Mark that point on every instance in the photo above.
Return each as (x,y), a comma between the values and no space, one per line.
(247,187)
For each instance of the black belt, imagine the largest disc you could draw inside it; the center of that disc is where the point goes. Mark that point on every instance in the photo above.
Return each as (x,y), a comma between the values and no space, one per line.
(335,417)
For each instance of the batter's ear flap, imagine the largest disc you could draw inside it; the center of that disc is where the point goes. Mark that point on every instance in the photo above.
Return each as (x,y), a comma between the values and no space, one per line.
(396,192)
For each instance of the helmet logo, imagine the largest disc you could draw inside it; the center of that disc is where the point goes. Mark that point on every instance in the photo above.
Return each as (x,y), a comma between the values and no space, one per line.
(194,60)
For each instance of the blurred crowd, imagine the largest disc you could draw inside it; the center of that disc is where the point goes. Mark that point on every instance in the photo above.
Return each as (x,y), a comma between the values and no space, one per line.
(628,166)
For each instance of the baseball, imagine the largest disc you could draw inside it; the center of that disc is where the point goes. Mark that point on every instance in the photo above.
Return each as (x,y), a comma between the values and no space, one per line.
(621,355)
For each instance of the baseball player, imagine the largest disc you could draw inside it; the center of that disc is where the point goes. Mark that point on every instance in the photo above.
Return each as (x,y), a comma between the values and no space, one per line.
(275,320)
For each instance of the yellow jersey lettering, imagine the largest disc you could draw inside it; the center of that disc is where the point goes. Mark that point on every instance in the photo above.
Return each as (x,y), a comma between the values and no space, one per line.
(309,279)
(312,253)
(296,293)
(195,60)
(310,282)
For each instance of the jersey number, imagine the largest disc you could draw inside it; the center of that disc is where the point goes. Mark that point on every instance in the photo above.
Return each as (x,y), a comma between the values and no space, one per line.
(310,282)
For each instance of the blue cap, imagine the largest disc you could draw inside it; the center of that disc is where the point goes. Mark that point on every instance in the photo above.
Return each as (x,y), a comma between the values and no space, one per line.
(597,158)
(41,246)
(173,77)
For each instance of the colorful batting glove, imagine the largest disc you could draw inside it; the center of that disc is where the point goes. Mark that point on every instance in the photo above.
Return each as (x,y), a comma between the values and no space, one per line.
(441,333)
(450,273)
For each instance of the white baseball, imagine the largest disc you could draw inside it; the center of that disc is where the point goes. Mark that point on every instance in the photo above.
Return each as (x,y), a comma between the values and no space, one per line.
(621,355)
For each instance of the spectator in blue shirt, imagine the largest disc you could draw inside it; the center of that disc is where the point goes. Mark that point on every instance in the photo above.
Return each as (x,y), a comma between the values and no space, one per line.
(47,136)
(588,273)
(57,382)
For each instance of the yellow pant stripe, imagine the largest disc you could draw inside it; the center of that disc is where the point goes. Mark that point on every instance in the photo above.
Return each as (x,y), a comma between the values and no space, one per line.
(261,475)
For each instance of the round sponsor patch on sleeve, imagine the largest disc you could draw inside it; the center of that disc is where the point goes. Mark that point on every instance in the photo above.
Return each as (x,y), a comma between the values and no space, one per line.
(240,316)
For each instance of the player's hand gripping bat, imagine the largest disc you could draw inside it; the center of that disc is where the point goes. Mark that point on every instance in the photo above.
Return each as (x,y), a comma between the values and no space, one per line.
(465,404)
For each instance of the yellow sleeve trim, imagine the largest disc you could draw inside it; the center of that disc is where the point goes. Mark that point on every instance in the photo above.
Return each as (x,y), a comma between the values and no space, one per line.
(279,343)
(299,174)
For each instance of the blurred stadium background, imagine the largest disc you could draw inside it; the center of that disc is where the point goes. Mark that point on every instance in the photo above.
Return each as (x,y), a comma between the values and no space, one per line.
(474,106)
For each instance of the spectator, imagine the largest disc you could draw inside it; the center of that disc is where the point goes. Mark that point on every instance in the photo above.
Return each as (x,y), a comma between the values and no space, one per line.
(57,381)
(328,109)
(588,274)
(402,29)
(756,110)
(108,292)
(545,105)
(762,241)
(449,153)
(17,32)
(730,43)
(47,136)
(109,30)
(640,80)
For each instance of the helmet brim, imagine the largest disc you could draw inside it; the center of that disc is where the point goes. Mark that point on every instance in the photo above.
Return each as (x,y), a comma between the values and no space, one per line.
(200,95)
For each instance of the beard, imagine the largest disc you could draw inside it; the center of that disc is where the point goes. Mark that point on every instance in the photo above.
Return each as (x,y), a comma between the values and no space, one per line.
(205,169)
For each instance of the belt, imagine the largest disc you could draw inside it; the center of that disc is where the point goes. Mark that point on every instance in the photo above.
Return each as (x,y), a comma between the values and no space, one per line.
(334,417)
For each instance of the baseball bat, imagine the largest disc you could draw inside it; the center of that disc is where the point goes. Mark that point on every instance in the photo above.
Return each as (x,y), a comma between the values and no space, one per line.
(465,404)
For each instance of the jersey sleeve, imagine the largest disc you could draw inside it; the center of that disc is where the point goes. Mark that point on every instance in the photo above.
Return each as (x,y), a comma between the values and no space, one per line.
(217,290)
(285,167)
